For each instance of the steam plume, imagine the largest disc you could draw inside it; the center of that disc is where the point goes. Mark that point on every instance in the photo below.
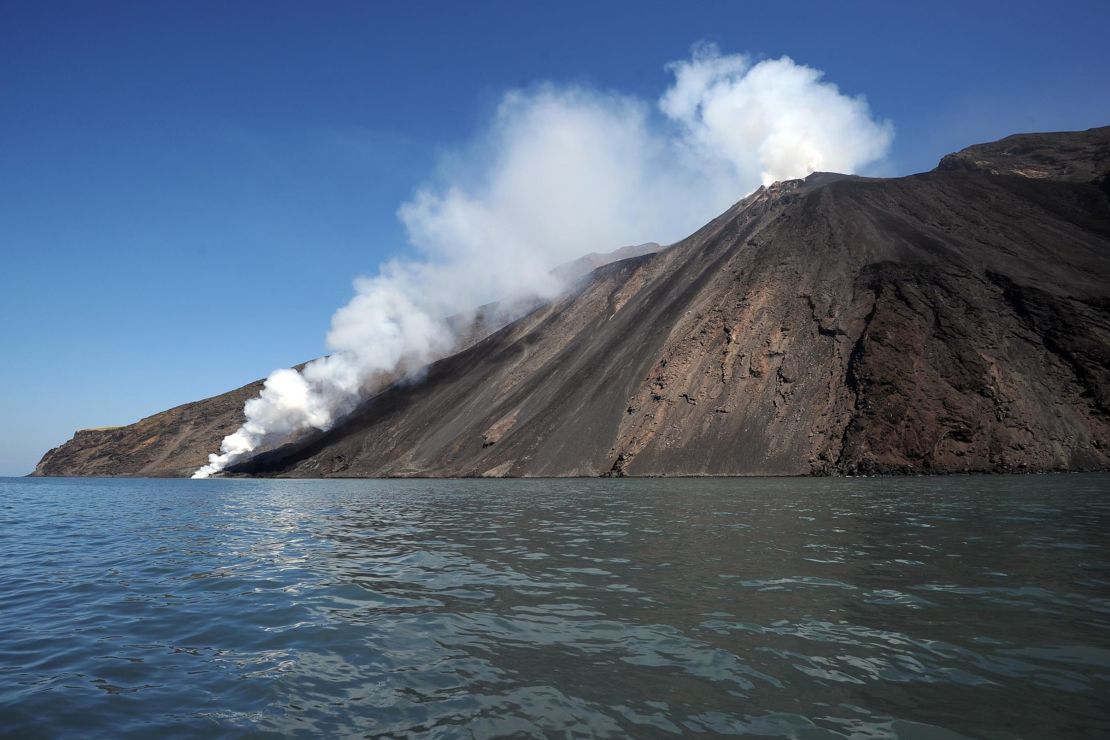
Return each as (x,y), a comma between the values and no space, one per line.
(562,171)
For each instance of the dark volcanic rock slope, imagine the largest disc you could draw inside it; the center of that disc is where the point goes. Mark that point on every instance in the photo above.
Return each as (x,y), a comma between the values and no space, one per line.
(178,441)
(957,320)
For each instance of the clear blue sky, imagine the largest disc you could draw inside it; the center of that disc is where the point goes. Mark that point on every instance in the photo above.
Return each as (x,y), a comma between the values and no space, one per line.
(187,189)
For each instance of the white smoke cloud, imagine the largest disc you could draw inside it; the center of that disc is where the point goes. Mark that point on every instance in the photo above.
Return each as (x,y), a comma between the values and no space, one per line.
(776,118)
(563,171)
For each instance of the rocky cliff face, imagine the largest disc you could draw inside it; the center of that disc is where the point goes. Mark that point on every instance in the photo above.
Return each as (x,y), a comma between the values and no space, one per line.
(956,320)
(172,443)
(1074,156)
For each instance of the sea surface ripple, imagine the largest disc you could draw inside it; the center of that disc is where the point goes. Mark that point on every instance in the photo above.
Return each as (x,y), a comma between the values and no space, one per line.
(806,608)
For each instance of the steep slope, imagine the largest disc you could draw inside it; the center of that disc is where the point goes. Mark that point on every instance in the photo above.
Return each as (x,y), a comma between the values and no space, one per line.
(176,442)
(957,320)
(576,270)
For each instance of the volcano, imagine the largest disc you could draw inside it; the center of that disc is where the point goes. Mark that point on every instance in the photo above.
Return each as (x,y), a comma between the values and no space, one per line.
(951,321)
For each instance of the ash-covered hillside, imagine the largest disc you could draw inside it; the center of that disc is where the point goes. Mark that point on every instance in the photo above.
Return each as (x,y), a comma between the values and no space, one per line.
(955,320)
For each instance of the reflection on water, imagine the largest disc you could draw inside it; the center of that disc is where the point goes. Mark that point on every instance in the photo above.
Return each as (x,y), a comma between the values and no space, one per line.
(779,607)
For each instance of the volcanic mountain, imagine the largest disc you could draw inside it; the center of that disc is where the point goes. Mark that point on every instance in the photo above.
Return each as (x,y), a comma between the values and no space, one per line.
(950,321)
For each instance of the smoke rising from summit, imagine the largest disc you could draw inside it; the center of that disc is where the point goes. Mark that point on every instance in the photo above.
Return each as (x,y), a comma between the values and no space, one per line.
(562,171)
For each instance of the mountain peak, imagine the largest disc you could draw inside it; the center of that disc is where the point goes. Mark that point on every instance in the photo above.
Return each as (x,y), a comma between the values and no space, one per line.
(828,325)
(1068,156)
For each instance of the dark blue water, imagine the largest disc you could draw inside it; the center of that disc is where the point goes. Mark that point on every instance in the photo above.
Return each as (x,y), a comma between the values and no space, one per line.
(912,608)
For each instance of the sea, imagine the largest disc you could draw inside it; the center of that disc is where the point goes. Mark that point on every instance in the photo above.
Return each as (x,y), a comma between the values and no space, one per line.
(950,607)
